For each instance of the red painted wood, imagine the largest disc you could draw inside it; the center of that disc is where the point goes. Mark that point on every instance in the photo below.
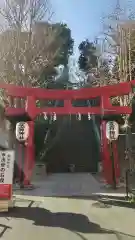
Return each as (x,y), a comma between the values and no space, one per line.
(19,161)
(116,161)
(68,95)
(14,111)
(84,93)
(30,156)
(33,111)
(105,155)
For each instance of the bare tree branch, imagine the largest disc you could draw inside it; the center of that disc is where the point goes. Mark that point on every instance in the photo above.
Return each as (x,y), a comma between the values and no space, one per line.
(28,46)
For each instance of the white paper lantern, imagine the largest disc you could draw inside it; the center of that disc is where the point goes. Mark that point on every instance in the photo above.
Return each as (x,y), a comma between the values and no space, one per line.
(79,117)
(112,130)
(45,116)
(22,131)
(54,117)
(89,116)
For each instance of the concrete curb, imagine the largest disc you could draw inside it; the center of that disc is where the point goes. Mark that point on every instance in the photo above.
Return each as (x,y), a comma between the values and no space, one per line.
(90,197)
(30,198)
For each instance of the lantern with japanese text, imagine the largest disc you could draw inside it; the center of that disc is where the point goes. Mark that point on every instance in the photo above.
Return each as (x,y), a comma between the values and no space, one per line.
(112,130)
(22,131)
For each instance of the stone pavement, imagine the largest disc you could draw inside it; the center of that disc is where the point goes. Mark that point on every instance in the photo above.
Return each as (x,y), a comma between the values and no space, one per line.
(63,218)
(76,184)
(66,213)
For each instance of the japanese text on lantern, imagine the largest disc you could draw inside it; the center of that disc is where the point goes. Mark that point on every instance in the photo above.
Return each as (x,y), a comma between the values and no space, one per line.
(2,167)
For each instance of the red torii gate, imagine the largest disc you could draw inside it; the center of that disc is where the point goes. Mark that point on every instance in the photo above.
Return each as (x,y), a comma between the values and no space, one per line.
(105,108)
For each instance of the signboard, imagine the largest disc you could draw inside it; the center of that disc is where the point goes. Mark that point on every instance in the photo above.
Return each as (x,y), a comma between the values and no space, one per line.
(22,131)
(112,130)
(6,173)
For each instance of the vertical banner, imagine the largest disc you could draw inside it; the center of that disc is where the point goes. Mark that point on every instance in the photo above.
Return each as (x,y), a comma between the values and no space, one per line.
(6,173)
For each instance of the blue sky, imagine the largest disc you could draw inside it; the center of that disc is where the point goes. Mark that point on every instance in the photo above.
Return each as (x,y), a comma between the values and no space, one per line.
(82,16)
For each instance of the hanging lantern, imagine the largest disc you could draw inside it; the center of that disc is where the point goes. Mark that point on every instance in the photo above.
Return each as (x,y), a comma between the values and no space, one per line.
(54,117)
(112,130)
(22,131)
(78,117)
(45,116)
(89,116)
